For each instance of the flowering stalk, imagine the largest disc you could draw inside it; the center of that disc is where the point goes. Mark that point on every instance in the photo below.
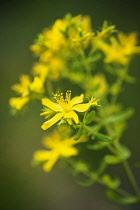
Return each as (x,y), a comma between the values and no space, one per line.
(70,54)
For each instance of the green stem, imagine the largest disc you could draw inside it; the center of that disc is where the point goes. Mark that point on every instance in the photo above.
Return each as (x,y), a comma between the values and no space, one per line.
(119,85)
(49,88)
(128,171)
(96,178)
(131,178)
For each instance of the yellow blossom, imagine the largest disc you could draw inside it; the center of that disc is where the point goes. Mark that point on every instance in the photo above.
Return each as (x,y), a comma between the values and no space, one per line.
(120,49)
(80,32)
(41,70)
(65,108)
(54,38)
(64,34)
(56,65)
(27,90)
(51,69)
(59,147)
(98,85)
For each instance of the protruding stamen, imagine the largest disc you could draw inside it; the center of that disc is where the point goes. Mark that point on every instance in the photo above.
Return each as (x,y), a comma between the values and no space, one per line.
(68,96)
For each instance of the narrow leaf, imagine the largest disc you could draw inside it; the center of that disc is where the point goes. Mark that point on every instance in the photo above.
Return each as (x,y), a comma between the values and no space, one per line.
(79,133)
(111,159)
(97,146)
(102,137)
(120,117)
(120,199)
(86,183)
(90,117)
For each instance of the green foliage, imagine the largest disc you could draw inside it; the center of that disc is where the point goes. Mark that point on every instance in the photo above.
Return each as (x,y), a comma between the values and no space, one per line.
(90,117)
(120,116)
(102,137)
(86,183)
(109,182)
(79,133)
(121,199)
(111,159)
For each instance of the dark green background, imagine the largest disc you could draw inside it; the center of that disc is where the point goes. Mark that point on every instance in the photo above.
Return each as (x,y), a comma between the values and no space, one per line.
(23,187)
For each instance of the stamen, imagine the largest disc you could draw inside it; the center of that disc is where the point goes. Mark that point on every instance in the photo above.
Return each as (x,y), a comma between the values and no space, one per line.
(58,97)
(68,96)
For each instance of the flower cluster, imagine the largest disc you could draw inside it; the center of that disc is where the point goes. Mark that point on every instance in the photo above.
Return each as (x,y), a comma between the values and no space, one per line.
(94,64)
(120,48)
(64,38)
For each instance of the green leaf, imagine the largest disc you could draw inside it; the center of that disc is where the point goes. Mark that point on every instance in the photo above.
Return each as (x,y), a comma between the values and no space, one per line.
(110,182)
(96,146)
(120,199)
(102,137)
(92,129)
(86,183)
(125,152)
(129,79)
(79,133)
(90,117)
(111,159)
(120,117)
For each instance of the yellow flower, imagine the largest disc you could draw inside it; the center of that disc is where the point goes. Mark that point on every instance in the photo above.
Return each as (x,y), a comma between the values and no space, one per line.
(120,49)
(59,147)
(41,70)
(65,108)
(54,38)
(80,31)
(98,85)
(56,65)
(51,69)
(64,35)
(27,90)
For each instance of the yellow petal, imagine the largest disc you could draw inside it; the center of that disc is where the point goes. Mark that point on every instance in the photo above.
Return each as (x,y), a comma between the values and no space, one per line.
(81,107)
(23,85)
(18,103)
(47,113)
(42,155)
(50,163)
(69,121)
(37,85)
(71,140)
(77,100)
(83,138)
(52,121)
(68,151)
(54,106)
(72,115)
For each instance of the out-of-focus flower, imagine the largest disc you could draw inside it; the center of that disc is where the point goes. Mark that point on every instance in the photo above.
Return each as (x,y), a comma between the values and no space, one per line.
(98,85)
(41,70)
(59,147)
(63,35)
(120,49)
(27,90)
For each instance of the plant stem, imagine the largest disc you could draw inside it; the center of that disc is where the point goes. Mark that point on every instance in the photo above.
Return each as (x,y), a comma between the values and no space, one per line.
(49,88)
(127,169)
(131,178)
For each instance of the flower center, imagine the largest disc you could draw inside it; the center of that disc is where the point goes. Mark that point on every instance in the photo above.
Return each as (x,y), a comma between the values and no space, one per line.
(64,103)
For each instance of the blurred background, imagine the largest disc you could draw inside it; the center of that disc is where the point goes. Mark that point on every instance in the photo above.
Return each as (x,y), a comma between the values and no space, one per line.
(23,187)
